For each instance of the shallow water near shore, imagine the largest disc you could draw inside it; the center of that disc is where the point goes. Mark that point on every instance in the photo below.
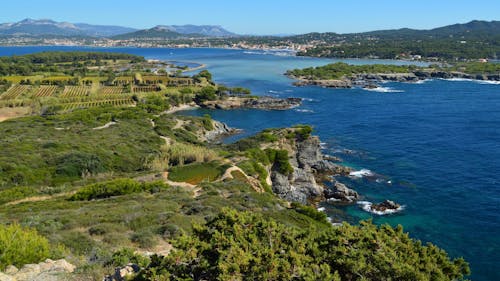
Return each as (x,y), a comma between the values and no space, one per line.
(433,147)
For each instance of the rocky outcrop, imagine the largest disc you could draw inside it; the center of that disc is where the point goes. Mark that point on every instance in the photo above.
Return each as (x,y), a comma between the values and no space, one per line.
(339,83)
(123,273)
(309,166)
(219,130)
(48,270)
(266,103)
(385,206)
(340,193)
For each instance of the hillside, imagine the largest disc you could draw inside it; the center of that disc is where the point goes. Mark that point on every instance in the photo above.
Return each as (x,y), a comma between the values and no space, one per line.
(473,40)
(158,32)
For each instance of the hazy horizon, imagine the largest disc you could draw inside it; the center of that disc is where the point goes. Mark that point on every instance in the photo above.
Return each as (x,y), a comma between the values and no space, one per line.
(259,17)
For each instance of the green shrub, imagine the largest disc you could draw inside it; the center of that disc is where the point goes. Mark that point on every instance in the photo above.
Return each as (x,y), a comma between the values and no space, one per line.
(310,212)
(20,245)
(115,188)
(77,164)
(258,155)
(125,256)
(144,238)
(207,122)
(303,131)
(280,161)
(16,193)
(248,246)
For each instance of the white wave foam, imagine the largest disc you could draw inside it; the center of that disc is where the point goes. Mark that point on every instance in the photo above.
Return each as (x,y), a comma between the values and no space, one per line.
(322,145)
(304,110)
(489,82)
(422,81)
(367,206)
(384,90)
(273,92)
(361,173)
(321,209)
(309,99)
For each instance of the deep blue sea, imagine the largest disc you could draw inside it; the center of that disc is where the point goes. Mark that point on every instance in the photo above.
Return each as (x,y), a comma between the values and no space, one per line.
(433,147)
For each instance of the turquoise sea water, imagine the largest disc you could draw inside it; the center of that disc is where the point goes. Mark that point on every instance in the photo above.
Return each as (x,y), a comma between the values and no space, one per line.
(434,146)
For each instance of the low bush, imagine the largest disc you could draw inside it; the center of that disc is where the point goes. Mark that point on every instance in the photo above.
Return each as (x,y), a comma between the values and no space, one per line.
(20,245)
(280,161)
(125,256)
(310,212)
(16,193)
(248,246)
(115,188)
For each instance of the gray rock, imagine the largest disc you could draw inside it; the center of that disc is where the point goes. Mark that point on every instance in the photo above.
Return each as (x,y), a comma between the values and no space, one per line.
(341,193)
(386,205)
(284,189)
(272,103)
(220,130)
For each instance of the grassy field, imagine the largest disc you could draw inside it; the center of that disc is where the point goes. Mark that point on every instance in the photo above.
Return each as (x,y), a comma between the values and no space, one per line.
(197,173)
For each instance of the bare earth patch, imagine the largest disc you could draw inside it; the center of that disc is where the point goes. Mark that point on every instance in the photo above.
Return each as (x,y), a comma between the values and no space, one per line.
(9,112)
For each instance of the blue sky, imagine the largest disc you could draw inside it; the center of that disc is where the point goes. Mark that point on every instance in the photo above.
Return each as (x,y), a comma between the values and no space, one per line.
(259,16)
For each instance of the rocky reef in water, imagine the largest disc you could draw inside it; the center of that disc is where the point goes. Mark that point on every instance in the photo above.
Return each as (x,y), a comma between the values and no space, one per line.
(267,103)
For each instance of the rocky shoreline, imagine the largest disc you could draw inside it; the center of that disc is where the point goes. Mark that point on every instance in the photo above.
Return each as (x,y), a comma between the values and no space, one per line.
(265,103)
(370,80)
(311,171)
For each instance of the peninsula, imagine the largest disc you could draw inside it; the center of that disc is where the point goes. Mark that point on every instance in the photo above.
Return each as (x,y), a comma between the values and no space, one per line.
(342,75)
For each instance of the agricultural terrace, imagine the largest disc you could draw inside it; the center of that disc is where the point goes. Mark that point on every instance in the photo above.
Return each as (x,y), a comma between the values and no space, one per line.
(52,82)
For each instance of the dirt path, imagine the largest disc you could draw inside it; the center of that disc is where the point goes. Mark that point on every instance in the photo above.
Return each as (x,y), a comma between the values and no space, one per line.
(253,182)
(194,188)
(107,125)
(40,198)
(180,124)
(174,109)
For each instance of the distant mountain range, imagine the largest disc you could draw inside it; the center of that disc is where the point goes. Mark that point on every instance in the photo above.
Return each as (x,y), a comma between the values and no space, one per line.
(43,27)
(177,32)
(50,28)
(47,27)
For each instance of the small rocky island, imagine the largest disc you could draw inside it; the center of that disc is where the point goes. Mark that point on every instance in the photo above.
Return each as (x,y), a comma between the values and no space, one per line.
(267,103)
(342,75)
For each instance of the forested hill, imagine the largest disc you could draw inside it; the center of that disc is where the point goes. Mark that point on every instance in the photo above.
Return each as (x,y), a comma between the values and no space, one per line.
(473,40)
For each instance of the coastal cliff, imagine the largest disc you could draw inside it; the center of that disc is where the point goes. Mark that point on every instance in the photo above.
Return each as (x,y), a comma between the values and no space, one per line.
(296,167)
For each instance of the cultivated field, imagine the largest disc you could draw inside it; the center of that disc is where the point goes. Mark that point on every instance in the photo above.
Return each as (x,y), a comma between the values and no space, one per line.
(14,91)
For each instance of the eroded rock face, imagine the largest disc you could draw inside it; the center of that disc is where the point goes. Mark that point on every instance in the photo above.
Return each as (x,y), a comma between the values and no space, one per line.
(341,193)
(220,130)
(308,165)
(49,270)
